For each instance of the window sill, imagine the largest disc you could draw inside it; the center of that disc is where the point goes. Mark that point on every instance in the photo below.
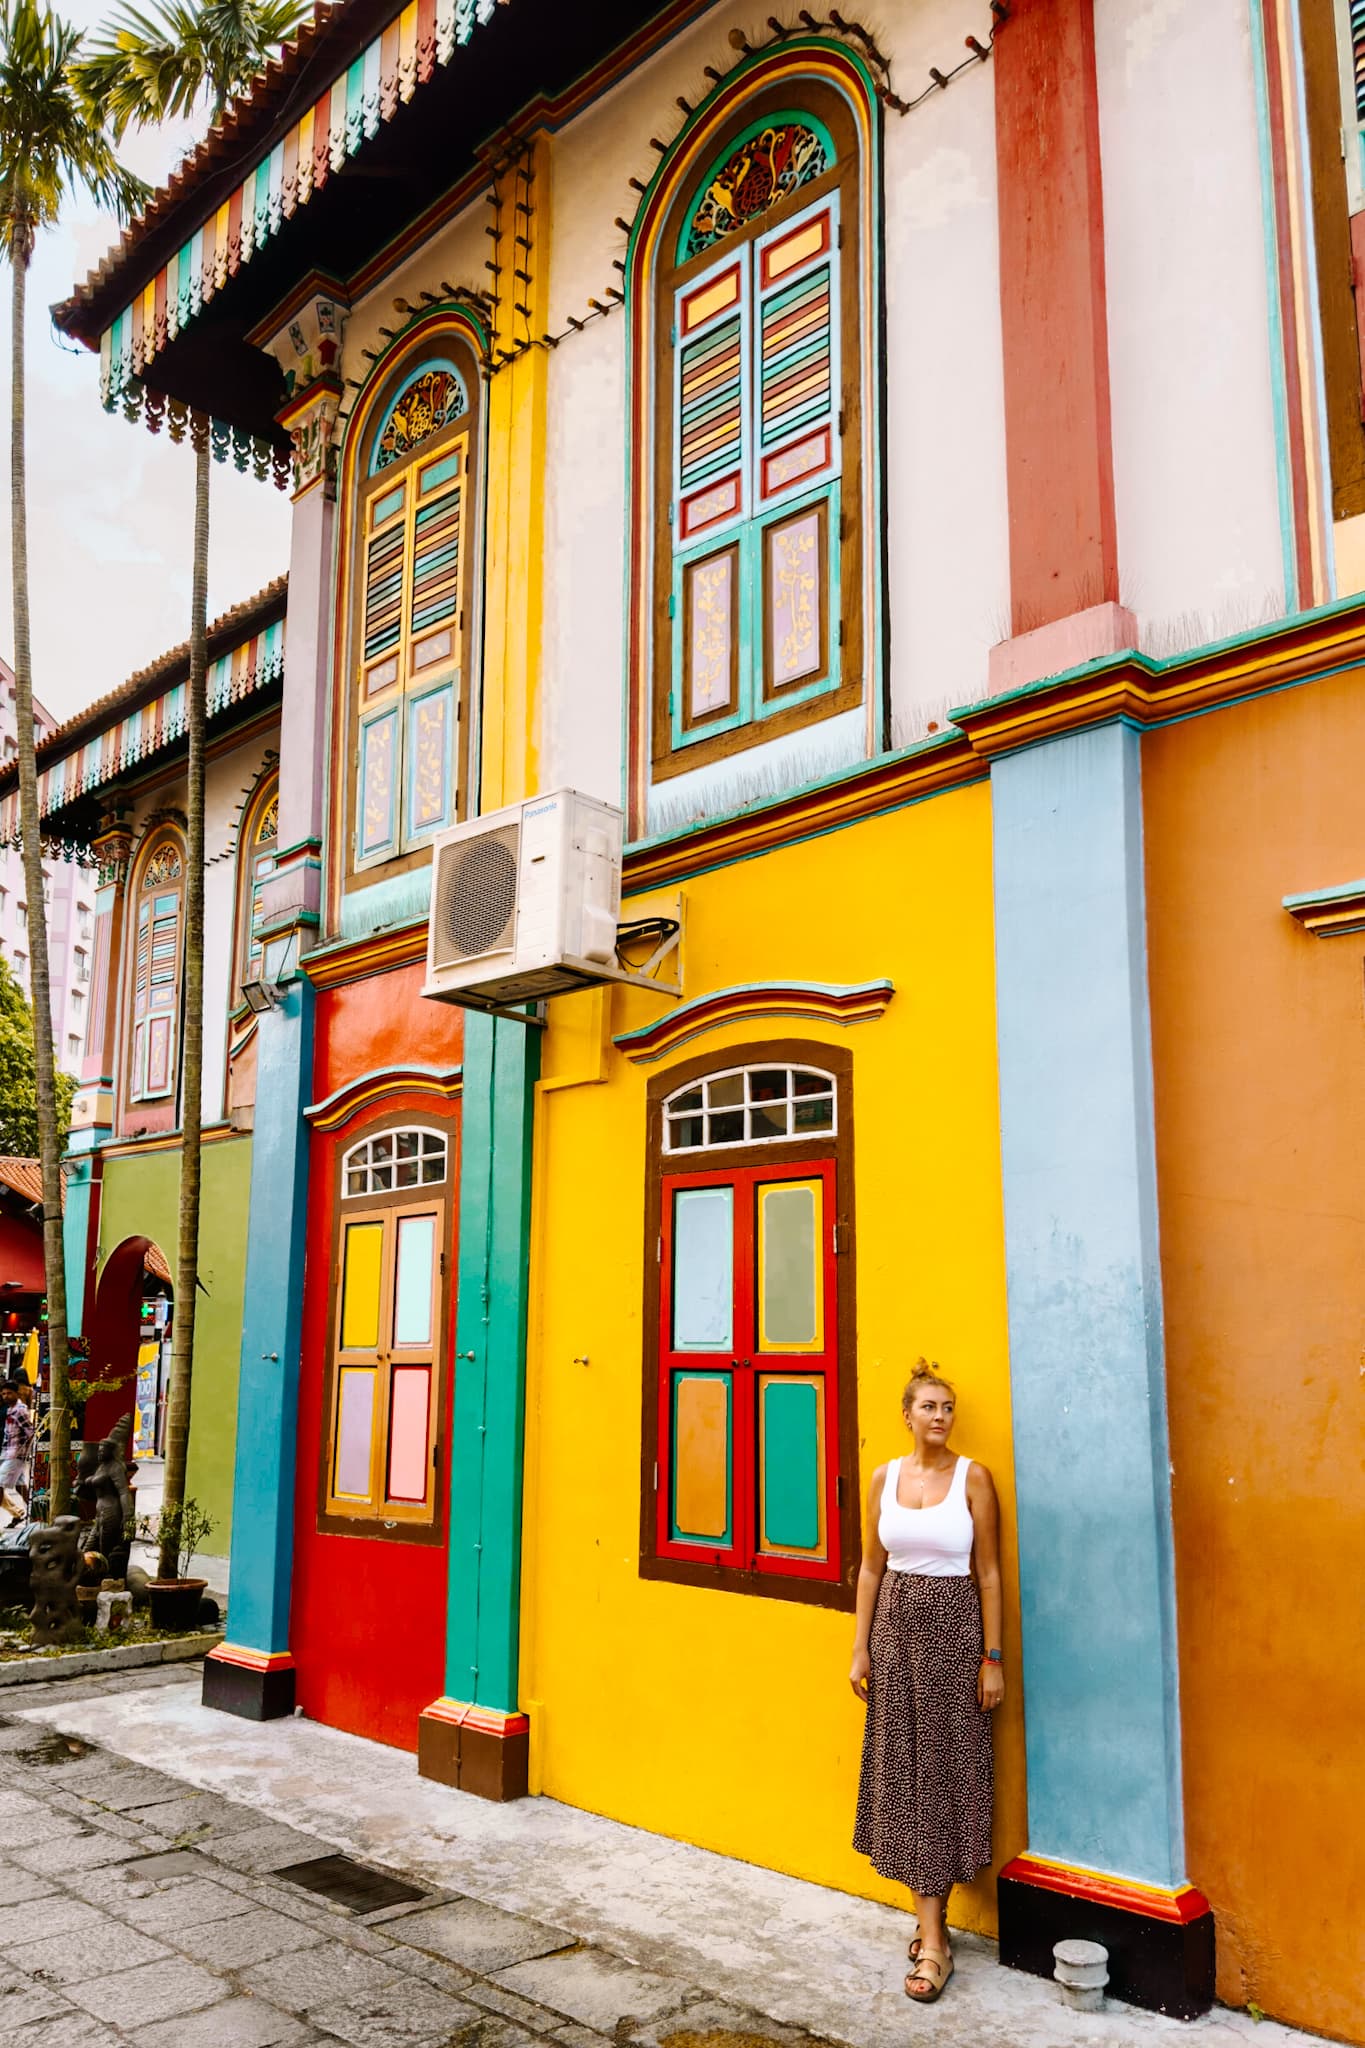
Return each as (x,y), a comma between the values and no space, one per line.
(839,1594)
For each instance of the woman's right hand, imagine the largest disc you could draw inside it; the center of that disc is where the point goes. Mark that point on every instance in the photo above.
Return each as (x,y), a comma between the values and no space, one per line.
(860,1673)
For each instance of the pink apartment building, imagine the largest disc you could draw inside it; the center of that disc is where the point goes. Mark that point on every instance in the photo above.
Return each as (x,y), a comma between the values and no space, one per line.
(70,909)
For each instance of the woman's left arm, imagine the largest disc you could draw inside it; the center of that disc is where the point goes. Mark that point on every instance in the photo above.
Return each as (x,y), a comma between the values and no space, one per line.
(990,1683)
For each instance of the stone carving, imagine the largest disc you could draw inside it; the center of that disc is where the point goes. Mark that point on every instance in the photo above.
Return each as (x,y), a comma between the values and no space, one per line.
(55,1565)
(113,1607)
(102,1484)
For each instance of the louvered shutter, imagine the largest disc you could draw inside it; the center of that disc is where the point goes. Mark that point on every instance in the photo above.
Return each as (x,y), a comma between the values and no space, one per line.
(796,457)
(797,367)
(712,465)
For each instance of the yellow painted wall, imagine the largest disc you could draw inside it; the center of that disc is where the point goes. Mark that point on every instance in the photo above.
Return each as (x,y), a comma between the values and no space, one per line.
(719,1717)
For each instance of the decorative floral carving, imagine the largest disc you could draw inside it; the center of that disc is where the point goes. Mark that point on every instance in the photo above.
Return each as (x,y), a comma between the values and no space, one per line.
(429,403)
(776,161)
(163,867)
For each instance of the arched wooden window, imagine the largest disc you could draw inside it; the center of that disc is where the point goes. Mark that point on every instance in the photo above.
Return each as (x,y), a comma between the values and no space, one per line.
(750,1414)
(760,313)
(255,864)
(410,614)
(158,955)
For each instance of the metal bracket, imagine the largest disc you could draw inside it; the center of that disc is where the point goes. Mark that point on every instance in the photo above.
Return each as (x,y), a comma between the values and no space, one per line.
(668,933)
(535,1016)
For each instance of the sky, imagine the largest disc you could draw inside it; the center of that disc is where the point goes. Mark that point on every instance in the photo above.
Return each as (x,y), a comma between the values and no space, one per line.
(110,505)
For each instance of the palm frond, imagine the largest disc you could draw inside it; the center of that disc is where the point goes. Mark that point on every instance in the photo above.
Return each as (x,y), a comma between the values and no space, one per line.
(152,63)
(49,144)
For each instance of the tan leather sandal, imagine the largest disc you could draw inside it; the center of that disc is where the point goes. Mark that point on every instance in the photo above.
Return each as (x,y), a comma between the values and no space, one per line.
(934,1968)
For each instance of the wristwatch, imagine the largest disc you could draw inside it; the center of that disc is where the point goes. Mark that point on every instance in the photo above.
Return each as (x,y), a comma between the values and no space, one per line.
(993,1657)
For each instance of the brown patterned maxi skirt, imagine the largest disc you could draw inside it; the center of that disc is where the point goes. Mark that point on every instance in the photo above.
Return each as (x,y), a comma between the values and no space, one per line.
(924,1795)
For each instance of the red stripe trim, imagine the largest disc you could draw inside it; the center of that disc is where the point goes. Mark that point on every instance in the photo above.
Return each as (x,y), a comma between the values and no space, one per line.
(252,1660)
(485,1720)
(1153,1902)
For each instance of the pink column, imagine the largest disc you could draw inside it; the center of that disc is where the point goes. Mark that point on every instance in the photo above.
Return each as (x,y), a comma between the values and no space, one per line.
(1064,573)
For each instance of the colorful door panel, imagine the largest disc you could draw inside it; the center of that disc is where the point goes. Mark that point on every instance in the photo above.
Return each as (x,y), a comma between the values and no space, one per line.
(389,1298)
(749,1366)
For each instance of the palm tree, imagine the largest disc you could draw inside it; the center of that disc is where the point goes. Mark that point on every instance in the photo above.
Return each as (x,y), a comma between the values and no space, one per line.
(49,148)
(143,68)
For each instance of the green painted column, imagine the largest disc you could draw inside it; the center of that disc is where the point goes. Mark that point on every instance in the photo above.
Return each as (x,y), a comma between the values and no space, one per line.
(475,1735)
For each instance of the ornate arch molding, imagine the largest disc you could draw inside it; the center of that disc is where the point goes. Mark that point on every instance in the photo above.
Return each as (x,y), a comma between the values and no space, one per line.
(391,369)
(780,76)
(442,1085)
(824,1002)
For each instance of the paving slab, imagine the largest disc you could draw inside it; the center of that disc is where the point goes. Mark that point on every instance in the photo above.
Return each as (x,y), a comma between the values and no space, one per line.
(152,1991)
(114,1785)
(481,1937)
(600,1990)
(167,1908)
(40,1917)
(197,1813)
(21,2000)
(22,1830)
(85,1849)
(270,1845)
(321,1975)
(254,1936)
(236,2023)
(14,1801)
(72,2030)
(69,1958)
(20,1885)
(406,2015)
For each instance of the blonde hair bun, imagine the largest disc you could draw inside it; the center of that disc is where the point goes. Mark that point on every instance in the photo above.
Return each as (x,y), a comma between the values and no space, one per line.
(925,1374)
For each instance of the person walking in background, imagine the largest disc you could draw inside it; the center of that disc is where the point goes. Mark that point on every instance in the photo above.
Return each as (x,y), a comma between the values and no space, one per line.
(929,1672)
(14,1450)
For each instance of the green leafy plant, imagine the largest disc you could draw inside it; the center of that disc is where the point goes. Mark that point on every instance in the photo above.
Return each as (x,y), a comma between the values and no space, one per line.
(177,1531)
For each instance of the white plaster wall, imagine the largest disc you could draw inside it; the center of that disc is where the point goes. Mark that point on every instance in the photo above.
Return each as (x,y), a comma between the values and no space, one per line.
(946,505)
(455,256)
(1194,436)
(944,493)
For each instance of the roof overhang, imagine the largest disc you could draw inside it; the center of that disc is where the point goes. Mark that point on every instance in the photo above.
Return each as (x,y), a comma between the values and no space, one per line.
(375,125)
(84,765)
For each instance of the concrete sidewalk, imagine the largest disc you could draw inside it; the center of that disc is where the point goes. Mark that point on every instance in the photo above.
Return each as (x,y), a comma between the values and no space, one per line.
(679,1947)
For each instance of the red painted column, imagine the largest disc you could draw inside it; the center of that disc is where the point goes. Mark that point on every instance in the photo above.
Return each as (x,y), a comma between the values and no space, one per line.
(1064,573)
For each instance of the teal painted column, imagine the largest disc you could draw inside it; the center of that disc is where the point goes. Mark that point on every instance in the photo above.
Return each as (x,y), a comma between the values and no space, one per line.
(252,1673)
(80,1220)
(475,1736)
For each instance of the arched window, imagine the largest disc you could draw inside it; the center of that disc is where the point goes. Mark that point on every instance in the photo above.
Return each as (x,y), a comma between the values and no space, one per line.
(158,919)
(255,865)
(761,310)
(412,511)
(750,1423)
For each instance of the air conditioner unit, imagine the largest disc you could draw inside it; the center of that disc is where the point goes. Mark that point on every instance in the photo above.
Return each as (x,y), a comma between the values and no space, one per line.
(525,902)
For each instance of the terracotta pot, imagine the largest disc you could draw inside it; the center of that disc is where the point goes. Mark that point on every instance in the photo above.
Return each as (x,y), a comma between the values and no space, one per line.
(175,1602)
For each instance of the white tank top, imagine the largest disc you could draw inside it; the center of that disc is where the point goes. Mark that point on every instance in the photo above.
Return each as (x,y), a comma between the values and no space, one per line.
(934,1543)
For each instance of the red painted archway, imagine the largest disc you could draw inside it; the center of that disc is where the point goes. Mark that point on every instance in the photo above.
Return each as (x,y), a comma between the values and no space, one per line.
(116,1330)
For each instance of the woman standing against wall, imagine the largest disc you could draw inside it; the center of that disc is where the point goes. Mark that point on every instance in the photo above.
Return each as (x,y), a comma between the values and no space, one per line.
(927,1661)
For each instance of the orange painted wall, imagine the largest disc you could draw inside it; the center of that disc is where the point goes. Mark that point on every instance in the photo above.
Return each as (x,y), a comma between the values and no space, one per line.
(382,1021)
(1259,1051)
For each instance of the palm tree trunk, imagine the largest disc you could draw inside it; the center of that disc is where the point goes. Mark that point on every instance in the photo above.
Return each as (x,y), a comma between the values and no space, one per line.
(192,1044)
(49,1137)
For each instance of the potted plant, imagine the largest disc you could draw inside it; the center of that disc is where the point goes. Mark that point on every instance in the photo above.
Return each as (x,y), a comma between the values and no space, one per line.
(175,1602)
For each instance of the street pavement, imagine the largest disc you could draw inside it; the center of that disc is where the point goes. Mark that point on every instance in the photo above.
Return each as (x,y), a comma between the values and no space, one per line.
(142,1841)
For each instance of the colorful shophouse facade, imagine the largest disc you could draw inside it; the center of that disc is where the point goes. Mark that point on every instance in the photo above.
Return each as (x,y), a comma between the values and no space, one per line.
(111,791)
(940,536)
